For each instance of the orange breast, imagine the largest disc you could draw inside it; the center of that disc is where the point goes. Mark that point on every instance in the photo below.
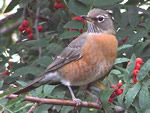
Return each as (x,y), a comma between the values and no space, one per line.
(98,55)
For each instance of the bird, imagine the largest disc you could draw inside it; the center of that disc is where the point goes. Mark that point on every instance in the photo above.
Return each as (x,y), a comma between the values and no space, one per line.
(86,59)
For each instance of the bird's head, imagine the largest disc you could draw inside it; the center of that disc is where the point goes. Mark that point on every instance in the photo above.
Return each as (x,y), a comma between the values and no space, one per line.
(99,21)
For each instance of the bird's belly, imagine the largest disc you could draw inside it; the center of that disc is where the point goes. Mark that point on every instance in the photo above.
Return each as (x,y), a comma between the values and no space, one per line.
(82,73)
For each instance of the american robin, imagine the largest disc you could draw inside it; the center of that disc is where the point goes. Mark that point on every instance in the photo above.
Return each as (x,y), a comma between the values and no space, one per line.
(86,59)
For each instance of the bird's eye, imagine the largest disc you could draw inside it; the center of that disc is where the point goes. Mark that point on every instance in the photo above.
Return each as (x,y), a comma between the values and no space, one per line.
(100,18)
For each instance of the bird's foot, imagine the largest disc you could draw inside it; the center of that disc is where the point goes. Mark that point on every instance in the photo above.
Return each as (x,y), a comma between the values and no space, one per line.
(78,101)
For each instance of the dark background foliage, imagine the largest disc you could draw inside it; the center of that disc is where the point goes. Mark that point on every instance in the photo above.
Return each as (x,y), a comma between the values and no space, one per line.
(132,22)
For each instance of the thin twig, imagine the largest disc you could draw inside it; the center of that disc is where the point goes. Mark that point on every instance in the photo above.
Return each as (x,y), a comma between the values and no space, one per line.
(8,29)
(36,28)
(57,101)
(31,110)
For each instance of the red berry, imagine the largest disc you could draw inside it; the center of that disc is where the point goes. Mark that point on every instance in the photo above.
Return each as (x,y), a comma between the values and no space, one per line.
(124,40)
(113,94)
(119,84)
(110,100)
(77,18)
(139,60)
(8,67)
(28,30)
(30,36)
(135,72)
(62,6)
(40,28)
(137,66)
(56,5)
(82,31)
(112,86)
(75,38)
(134,80)
(6,73)
(25,23)
(119,91)
(21,28)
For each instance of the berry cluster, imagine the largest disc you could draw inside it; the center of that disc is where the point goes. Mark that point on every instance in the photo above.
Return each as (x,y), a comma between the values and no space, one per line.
(79,19)
(137,67)
(58,5)
(24,28)
(6,73)
(116,92)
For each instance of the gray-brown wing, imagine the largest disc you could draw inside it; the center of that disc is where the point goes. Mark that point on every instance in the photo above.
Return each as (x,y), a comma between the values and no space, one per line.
(70,53)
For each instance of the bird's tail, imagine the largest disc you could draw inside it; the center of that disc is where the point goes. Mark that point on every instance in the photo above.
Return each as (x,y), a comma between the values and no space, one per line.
(50,78)
(31,86)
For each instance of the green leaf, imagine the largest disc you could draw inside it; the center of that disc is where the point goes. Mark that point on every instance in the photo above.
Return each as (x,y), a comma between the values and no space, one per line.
(16,100)
(22,83)
(11,5)
(74,24)
(125,46)
(42,108)
(52,51)
(121,60)
(146,82)
(147,111)
(133,15)
(48,89)
(131,94)
(129,69)
(99,3)
(66,109)
(1,83)
(120,98)
(43,61)
(10,91)
(115,71)
(78,8)
(69,34)
(88,110)
(105,95)
(1,59)
(28,70)
(144,71)
(147,24)
(86,2)
(59,91)
(36,43)
(144,97)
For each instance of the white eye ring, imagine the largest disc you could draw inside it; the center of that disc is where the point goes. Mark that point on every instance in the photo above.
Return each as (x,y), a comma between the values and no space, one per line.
(100,18)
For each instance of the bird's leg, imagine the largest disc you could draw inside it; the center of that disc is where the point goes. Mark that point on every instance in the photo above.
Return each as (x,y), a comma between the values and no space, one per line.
(78,101)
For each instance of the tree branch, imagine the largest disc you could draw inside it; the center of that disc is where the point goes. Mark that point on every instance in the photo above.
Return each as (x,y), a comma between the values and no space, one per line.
(57,101)
(36,28)
(8,29)
(33,108)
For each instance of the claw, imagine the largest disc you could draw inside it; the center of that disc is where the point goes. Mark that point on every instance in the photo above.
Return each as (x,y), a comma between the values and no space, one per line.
(78,101)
